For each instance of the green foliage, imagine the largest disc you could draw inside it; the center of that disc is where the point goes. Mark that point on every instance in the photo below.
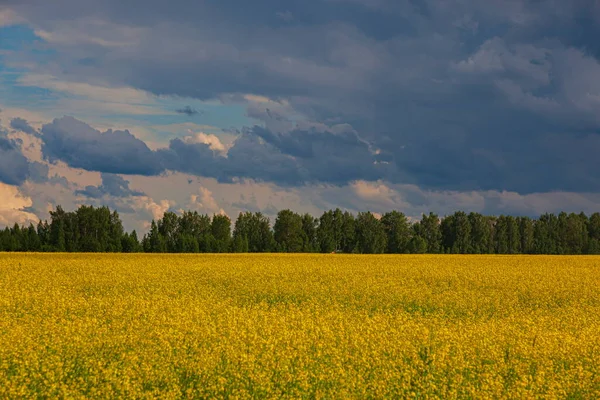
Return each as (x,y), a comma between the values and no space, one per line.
(240,244)
(593,246)
(370,234)
(156,242)
(398,232)
(255,229)
(481,234)
(429,229)
(90,229)
(526,232)
(594,226)
(309,229)
(336,232)
(187,243)
(130,243)
(167,230)
(57,229)
(221,231)
(326,233)
(288,232)
(544,236)
(417,245)
(456,233)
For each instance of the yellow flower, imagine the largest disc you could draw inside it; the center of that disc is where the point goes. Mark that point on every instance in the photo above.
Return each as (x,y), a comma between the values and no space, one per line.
(298,326)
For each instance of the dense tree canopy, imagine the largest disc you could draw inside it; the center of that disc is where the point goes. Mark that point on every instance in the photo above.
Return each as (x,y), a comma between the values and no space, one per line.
(90,229)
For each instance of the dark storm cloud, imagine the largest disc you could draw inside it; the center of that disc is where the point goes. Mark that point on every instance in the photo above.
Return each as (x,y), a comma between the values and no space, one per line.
(252,158)
(14,167)
(22,125)
(38,172)
(248,158)
(112,185)
(458,95)
(293,158)
(80,146)
(189,111)
(192,158)
(326,156)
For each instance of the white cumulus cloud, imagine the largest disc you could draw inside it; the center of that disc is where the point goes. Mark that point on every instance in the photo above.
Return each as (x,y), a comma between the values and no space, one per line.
(206,138)
(12,206)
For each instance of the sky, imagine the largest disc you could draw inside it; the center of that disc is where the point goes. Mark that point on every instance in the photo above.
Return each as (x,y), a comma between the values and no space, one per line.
(224,106)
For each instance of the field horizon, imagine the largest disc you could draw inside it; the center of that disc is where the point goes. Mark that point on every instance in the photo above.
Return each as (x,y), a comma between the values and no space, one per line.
(299,326)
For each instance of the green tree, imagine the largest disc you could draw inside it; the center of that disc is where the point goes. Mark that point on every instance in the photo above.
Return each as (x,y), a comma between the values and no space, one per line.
(347,231)
(240,244)
(33,239)
(417,245)
(130,243)
(544,235)
(370,234)
(462,229)
(116,233)
(481,234)
(135,243)
(90,229)
(43,231)
(103,221)
(326,235)
(398,233)
(255,229)
(18,239)
(288,232)
(526,232)
(57,229)
(573,233)
(428,228)
(4,240)
(513,235)
(501,235)
(309,227)
(187,244)
(456,233)
(156,242)
(221,232)
(197,226)
(10,243)
(594,226)
(593,246)
(101,230)
(168,227)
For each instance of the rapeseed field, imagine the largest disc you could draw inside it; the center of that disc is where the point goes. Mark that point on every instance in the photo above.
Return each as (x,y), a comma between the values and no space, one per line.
(299,326)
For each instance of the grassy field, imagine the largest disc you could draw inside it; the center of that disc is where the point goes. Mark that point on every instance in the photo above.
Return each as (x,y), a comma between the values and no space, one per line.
(299,326)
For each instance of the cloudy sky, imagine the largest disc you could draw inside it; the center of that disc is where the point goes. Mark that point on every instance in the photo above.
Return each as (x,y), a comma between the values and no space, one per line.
(229,105)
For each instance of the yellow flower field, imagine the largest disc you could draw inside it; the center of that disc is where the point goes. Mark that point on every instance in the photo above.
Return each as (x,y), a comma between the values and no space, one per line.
(299,326)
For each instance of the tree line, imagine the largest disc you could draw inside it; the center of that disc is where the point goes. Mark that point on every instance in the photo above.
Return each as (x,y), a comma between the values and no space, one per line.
(90,229)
